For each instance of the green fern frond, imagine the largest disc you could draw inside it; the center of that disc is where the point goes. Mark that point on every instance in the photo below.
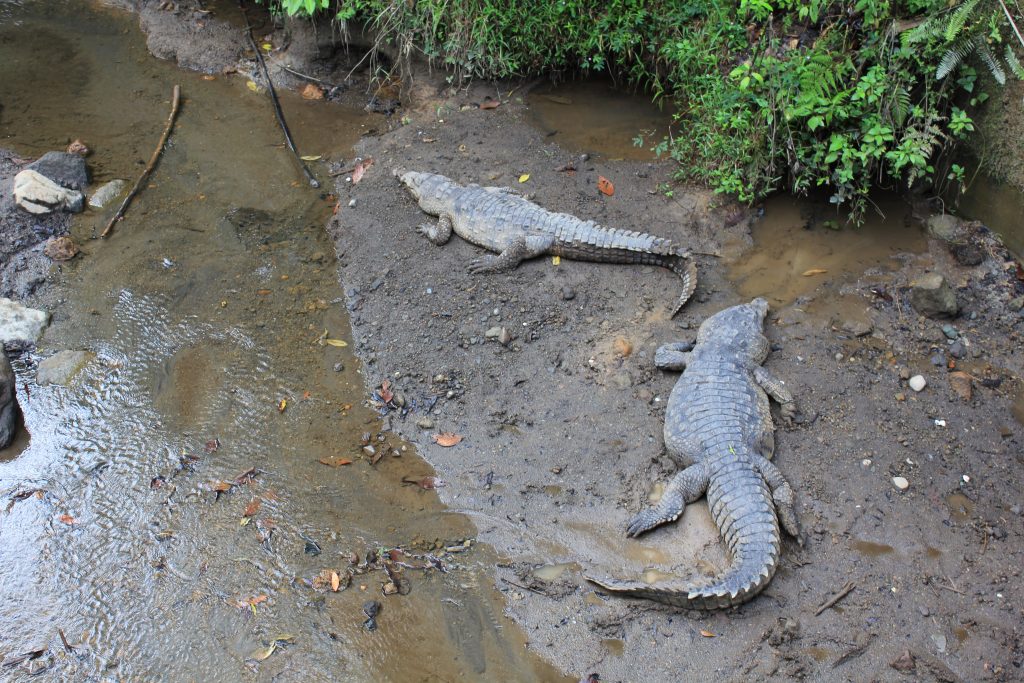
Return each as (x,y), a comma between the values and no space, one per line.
(953,57)
(1014,62)
(991,61)
(932,26)
(961,15)
(900,105)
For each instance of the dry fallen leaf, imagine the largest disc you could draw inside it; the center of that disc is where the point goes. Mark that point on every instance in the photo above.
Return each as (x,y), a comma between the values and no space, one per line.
(263,653)
(707,634)
(385,391)
(426,483)
(78,147)
(335,461)
(360,169)
(252,508)
(220,486)
(312,92)
(212,445)
(556,260)
(490,104)
(209,77)
(605,186)
(814,271)
(68,519)
(312,157)
(523,178)
(446,439)
(335,581)
(251,85)
(335,342)
(282,405)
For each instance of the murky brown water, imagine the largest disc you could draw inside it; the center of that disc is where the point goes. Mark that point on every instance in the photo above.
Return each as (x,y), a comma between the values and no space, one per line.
(802,247)
(205,309)
(998,206)
(593,116)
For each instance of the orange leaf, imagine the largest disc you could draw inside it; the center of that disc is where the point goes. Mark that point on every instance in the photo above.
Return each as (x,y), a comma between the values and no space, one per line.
(252,508)
(335,461)
(490,104)
(605,186)
(335,581)
(446,439)
(220,486)
(360,169)
(814,271)
(707,634)
(385,391)
(306,395)
(68,519)
(312,92)
(262,292)
(212,445)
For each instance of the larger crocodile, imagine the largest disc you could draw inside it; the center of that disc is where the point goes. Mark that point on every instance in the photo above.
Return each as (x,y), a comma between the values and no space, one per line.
(497,219)
(718,426)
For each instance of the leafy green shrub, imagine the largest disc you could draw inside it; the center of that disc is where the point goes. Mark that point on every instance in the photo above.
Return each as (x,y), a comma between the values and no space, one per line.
(770,94)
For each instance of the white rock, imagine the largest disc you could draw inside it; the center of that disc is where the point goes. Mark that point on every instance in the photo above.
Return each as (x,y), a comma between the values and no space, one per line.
(102,196)
(917,382)
(38,194)
(900,483)
(61,367)
(19,323)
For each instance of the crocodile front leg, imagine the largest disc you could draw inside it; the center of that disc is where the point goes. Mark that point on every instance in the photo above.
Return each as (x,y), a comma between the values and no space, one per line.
(782,496)
(439,233)
(673,356)
(686,487)
(778,391)
(521,248)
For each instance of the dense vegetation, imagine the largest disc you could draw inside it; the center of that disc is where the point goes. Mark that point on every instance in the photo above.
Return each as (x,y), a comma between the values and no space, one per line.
(771,94)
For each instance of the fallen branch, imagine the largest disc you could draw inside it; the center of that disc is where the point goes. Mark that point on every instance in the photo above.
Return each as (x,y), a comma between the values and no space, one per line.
(175,100)
(846,590)
(313,79)
(273,98)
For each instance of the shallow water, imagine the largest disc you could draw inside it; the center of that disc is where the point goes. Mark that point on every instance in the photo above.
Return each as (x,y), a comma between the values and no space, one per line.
(206,309)
(595,117)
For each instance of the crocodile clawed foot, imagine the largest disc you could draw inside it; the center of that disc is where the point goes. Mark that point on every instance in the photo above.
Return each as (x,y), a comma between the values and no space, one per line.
(788,412)
(424,229)
(481,265)
(647,520)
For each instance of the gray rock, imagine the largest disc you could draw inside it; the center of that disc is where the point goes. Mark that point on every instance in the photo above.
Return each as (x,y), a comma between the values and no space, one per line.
(568,293)
(944,227)
(8,402)
(425,423)
(105,193)
(61,367)
(932,296)
(858,328)
(492,333)
(950,331)
(957,350)
(19,323)
(67,170)
(38,194)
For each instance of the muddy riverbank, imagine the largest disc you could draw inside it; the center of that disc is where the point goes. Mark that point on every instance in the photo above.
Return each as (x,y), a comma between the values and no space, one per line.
(561,426)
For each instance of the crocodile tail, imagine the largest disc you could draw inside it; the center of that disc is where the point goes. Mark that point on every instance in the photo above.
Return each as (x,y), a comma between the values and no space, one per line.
(737,585)
(683,266)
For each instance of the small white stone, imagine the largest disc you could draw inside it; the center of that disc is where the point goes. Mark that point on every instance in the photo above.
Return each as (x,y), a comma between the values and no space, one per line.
(900,483)
(352,202)
(917,382)
(967,479)
(940,423)
(866,462)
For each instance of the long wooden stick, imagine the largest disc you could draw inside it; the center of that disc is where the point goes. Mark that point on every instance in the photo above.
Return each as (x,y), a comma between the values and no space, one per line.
(273,98)
(175,100)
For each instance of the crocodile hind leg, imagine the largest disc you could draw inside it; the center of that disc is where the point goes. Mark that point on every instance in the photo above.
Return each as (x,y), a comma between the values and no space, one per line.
(686,487)
(519,249)
(672,356)
(782,495)
(439,233)
(774,387)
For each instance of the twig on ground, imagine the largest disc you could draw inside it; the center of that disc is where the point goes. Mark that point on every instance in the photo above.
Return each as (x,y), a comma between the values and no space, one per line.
(175,101)
(844,591)
(64,639)
(273,98)
(314,79)
(526,588)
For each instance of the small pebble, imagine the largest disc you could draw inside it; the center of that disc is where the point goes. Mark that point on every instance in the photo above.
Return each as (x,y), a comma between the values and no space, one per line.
(917,382)
(425,423)
(901,483)
(352,202)
(904,373)
(949,331)
(568,293)
(866,462)
(338,367)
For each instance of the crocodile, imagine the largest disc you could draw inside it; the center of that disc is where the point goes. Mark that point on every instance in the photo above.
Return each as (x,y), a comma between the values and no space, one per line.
(499,220)
(718,427)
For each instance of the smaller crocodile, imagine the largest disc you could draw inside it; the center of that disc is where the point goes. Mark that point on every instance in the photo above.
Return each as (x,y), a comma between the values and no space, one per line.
(499,220)
(718,427)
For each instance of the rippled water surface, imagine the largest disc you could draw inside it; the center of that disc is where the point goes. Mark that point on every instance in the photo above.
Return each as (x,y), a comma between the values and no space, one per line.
(171,512)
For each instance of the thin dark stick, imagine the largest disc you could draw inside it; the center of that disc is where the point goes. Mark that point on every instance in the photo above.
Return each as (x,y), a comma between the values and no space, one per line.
(273,97)
(846,590)
(175,100)
(307,77)
(64,639)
